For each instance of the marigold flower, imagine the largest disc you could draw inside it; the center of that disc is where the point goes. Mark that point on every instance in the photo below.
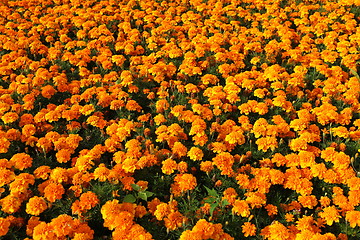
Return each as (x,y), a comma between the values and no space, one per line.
(168,166)
(266,143)
(9,117)
(353,217)
(224,161)
(185,182)
(21,161)
(162,210)
(248,229)
(42,172)
(308,201)
(63,155)
(87,109)
(206,166)
(159,119)
(59,175)
(241,207)
(36,205)
(195,154)
(276,231)
(31,224)
(271,209)
(10,204)
(179,149)
(101,173)
(53,192)
(330,215)
(48,91)
(28,130)
(4,145)
(6,176)
(4,226)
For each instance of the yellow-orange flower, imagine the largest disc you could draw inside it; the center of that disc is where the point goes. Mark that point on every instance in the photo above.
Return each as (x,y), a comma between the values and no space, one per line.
(330,215)
(36,205)
(21,161)
(248,229)
(4,226)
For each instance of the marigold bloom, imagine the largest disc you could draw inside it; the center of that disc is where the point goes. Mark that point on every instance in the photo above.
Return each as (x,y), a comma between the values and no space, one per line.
(206,166)
(6,176)
(162,210)
(36,205)
(168,166)
(4,226)
(42,172)
(195,154)
(266,143)
(48,91)
(185,181)
(224,161)
(9,117)
(10,204)
(330,215)
(271,209)
(308,201)
(21,161)
(63,155)
(4,145)
(277,231)
(31,224)
(59,175)
(353,217)
(88,200)
(241,207)
(179,149)
(248,229)
(101,173)
(53,192)
(28,130)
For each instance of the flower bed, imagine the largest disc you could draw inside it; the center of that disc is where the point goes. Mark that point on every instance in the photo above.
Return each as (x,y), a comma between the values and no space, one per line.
(181,119)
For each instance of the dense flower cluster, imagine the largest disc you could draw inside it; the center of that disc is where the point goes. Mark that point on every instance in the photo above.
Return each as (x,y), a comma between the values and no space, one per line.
(179,119)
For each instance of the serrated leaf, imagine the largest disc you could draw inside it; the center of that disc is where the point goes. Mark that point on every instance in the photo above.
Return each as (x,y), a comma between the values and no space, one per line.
(225,202)
(136,187)
(210,200)
(129,198)
(212,208)
(143,196)
(148,194)
(211,192)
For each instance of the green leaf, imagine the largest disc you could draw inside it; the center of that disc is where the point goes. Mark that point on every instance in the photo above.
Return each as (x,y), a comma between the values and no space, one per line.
(212,208)
(355,73)
(143,196)
(210,199)
(225,202)
(136,187)
(211,192)
(129,198)
(148,194)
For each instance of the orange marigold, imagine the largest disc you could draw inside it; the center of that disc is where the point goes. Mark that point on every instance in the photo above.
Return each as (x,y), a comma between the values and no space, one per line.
(179,149)
(36,205)
(185,182)
(241,207)
(330,215)
(53,192)
(9,117)
(248,229)
(21,161)
(168,166)
(4,226)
